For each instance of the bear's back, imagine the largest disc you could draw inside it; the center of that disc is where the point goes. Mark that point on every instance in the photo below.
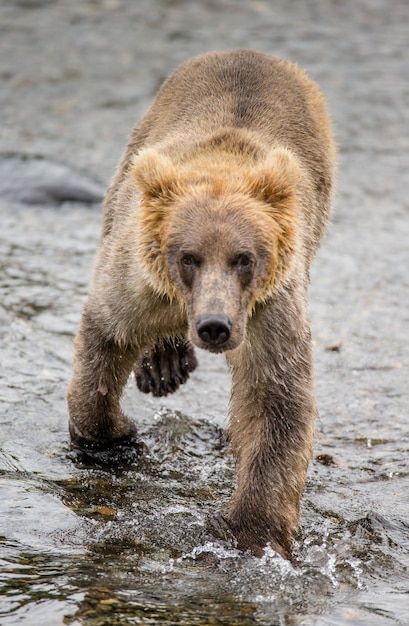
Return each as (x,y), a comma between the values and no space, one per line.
(244,89)
(266,95)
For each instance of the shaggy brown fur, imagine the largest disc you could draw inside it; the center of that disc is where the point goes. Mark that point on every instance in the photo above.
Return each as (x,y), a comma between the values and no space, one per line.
(210,225)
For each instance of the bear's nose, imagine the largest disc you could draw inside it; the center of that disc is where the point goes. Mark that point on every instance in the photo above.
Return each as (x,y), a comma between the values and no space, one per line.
(214,329)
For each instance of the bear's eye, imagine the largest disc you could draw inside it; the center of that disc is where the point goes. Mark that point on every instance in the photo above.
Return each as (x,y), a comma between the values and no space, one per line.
(244,261)
(188,261)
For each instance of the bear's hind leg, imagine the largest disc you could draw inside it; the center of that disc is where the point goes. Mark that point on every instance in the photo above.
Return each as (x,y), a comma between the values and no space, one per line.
(167,366)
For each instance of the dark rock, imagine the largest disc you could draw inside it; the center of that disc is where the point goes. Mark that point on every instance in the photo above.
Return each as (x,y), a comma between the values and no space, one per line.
(35,180)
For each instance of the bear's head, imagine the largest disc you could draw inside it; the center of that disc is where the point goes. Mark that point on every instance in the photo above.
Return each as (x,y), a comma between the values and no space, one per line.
(219,235)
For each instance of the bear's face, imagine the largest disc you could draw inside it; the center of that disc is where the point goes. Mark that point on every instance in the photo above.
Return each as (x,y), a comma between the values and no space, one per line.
(219,240)
(218,259)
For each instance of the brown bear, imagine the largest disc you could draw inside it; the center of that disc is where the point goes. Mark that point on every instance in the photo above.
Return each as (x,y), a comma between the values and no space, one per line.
(210,225)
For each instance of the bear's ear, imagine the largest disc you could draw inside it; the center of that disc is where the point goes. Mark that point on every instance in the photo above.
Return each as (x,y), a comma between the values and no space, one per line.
(155,174)
(274,180)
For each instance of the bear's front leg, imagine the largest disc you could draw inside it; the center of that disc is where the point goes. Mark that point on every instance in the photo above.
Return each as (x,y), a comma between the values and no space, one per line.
(165,367)
(100,371)
(271,430)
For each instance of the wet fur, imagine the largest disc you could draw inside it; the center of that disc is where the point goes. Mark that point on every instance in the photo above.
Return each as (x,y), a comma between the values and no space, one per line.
(233,160)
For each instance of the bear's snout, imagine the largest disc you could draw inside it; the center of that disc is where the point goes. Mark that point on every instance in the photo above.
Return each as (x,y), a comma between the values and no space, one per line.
(214,329)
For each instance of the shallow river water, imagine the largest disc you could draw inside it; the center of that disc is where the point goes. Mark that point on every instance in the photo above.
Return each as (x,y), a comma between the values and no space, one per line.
(145,542)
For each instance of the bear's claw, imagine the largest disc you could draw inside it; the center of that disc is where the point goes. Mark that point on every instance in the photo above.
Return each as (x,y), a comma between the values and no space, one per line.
(166,368)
